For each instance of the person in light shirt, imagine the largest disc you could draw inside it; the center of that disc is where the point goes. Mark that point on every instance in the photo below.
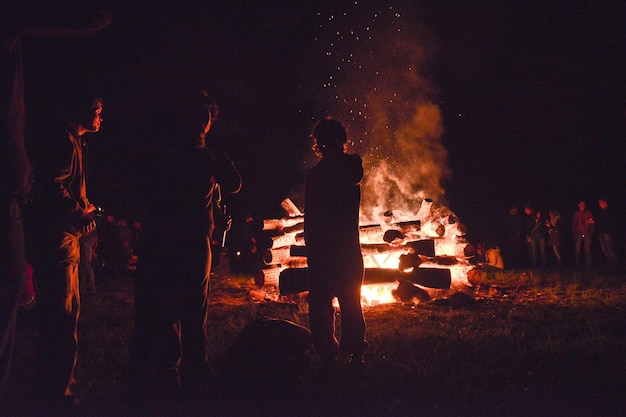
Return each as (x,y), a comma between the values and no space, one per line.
(493,259)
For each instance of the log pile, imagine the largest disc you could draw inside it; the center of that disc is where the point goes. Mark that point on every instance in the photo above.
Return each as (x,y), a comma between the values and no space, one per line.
(396,254)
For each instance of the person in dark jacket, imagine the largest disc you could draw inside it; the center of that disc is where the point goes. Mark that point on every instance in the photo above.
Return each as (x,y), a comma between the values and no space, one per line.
(331,228)
(174,254)
(605,226)
(512,237)
(583,227)
(536,237)
(554,224)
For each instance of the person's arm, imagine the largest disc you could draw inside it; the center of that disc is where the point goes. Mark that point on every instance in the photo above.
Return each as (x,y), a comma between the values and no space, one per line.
(227,174)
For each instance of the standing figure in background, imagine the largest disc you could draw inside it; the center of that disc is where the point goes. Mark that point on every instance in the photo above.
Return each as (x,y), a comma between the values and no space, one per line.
(605,225)
(554,225)
(583,226)
(331,229)
(174,256)
(535,236)
(60,214)
(512,238)
(537,240)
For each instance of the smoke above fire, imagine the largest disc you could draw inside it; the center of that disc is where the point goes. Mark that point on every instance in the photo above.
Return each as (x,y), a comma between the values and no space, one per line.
(372,65)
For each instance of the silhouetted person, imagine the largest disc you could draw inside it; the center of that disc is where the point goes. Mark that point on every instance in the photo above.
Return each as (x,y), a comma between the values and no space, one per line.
(512,238)
(19,19)
(536,237)
(335,262)
(174,254)
(583,226)
(60,214)
(605,226)
(554,224)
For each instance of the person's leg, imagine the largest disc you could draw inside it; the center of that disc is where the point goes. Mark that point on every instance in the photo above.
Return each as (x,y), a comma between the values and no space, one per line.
(542,251)
(193,338)
(606,243)
(352,339)
(322,323)
(532,247)
(12,275)
(578,248)
(587,244)
(58,332)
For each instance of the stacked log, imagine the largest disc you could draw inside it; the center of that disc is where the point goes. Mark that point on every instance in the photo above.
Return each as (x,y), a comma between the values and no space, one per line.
(295,280)
(286,262)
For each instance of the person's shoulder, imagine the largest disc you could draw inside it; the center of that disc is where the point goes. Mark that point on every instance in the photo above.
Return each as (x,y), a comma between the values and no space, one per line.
(354,158)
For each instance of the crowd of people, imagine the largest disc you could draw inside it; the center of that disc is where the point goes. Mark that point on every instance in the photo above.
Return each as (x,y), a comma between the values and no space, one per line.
(534,239)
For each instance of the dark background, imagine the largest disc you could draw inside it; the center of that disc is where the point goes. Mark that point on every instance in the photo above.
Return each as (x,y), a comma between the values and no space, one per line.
(532,95)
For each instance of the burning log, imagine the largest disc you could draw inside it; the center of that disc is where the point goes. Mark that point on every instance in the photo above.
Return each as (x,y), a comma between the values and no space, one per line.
(408,261)
(283,254)
(439,260)
(424,211)
(294,280)
(290,208)
(400,230)
(280,224)
(440,278)
(271,275)
(423,247)
(290,239)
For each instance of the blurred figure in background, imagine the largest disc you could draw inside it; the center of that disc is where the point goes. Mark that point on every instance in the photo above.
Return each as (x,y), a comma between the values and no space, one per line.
(554,224)
(605,225)
(535,236)
(583,226)
(512,238)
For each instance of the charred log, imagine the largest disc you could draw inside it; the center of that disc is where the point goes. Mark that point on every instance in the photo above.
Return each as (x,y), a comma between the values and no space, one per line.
(408,261)
(294,280)
(407,291)
(392,234)
(423,247)
(440,260)
(281,255)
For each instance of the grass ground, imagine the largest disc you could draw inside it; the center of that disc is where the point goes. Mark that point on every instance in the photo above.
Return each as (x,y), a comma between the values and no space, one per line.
(538,343)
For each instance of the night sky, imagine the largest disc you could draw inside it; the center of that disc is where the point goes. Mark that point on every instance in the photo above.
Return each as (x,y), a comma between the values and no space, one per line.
(479,104)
